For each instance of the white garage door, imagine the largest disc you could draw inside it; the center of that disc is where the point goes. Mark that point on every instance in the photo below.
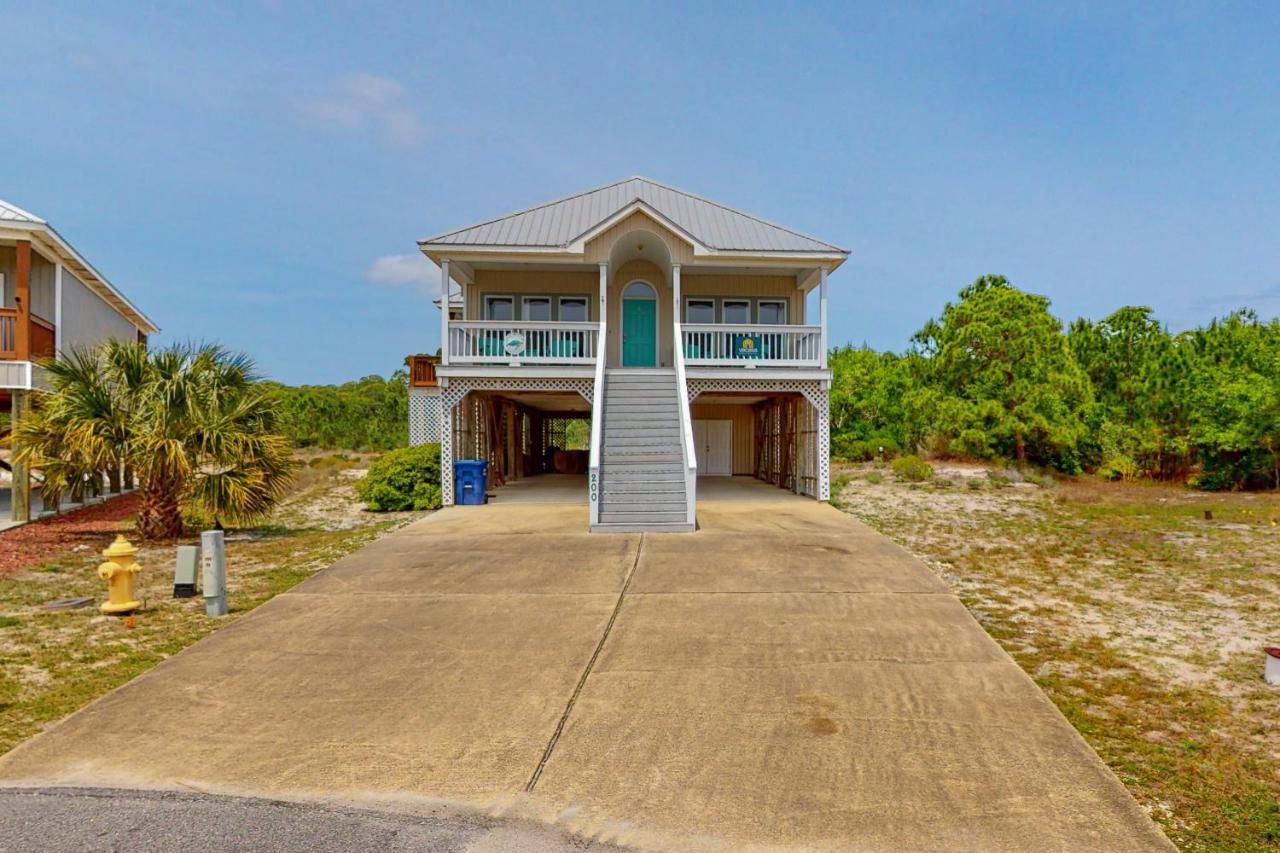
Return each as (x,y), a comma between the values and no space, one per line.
(713,443)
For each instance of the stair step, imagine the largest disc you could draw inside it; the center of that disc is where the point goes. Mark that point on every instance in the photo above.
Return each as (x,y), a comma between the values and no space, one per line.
(642,517)
(632,455)
(636,437)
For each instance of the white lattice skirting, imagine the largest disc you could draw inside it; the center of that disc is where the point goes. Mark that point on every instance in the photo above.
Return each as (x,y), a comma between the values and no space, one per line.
(814,391)
(460,387)
(424,416)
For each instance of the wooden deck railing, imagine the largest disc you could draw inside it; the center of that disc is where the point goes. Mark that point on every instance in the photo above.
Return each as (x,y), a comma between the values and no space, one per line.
(43,339)
(717,345)
(41,336)
(422,370)
(8,333)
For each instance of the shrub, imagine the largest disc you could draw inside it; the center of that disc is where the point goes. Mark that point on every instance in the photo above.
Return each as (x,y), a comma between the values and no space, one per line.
(875,478)
(974,484)
(912,467)
(403,479)
(850,448)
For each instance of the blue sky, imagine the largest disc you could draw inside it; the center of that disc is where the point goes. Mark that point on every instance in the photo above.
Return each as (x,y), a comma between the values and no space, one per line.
(250,172)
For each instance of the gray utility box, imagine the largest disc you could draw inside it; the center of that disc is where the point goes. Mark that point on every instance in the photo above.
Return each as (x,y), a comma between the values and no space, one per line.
(184,574)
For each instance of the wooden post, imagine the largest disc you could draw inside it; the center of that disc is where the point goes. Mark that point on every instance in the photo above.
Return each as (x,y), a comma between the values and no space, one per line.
(22,297)
(20,503)
(444,312)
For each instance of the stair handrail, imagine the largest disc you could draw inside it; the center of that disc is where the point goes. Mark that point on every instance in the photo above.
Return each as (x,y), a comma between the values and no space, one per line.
(597,417)
(686,430)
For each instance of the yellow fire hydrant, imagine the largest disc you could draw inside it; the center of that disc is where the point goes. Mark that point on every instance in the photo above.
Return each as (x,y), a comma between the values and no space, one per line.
(120,572)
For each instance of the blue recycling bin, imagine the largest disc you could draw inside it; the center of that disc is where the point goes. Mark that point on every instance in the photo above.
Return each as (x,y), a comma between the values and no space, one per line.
(470,478)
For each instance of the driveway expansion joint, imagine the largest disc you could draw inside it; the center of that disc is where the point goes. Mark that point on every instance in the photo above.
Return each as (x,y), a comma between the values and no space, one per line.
(586,672)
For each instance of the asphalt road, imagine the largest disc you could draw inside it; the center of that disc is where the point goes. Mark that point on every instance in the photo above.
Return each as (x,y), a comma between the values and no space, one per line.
(68,819)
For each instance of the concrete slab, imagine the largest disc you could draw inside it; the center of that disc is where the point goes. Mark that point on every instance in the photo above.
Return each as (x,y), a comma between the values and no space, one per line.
(783,677)
(452,697)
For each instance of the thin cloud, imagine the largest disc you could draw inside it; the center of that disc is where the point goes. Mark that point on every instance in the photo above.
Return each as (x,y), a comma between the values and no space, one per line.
(1249,299)
(400,270)
(369,103)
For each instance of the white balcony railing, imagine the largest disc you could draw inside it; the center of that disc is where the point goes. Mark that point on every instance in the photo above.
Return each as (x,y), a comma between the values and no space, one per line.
(707,345)
(522,342)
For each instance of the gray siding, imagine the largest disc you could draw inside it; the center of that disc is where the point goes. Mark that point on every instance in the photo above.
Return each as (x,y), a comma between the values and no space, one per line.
(42,299)
(87,319)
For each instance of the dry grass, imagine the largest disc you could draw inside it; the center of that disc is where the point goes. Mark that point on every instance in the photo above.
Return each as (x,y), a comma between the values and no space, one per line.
(52,663)
(1143,620)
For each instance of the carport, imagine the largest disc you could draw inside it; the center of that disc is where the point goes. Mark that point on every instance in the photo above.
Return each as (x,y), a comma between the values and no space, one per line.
(536,443)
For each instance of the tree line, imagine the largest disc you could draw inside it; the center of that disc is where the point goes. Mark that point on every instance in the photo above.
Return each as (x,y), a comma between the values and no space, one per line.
(997,376)
(368,414)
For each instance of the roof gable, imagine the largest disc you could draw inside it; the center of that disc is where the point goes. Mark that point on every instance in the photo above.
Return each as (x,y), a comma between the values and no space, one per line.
(568,222)
(13,213)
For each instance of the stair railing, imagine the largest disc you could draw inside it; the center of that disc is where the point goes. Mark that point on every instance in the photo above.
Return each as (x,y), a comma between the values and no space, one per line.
(686,432)
(597,421)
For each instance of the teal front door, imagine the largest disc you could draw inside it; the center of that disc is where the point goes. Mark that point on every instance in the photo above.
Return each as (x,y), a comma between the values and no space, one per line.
(639,333)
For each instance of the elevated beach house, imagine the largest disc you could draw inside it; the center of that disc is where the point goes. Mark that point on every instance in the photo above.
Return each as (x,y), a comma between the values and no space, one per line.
(638,337)
(51,299)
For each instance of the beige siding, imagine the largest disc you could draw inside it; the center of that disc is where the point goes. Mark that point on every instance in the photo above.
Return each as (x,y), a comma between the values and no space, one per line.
(754,286)
(599,248)
(639,271)
(532,282)
(743,431)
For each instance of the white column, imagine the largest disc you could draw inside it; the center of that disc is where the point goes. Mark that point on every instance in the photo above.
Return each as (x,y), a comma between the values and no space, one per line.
(446,449)
(604,293)
(57,309)
(444,312)
(675,292)
(822,311)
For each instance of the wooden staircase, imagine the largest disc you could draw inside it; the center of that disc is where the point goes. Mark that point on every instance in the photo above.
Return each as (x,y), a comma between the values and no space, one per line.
(642,470)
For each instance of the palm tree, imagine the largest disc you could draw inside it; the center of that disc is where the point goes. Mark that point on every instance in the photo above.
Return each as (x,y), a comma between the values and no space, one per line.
(189,420)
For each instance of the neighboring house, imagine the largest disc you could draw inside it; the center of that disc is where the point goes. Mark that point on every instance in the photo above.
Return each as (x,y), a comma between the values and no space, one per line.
(51,300)
(676,324)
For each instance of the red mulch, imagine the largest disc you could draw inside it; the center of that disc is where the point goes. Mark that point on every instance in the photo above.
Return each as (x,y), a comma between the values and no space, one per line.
(49,538)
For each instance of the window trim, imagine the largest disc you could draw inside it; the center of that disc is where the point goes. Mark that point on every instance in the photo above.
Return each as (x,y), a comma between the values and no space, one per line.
(714,312)
(515,306)
(738,299)
(560,299)
(551,307)
(773,300)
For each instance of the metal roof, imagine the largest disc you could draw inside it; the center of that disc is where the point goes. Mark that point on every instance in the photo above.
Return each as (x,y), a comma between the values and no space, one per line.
(559,223)
(13,213)
(25,221)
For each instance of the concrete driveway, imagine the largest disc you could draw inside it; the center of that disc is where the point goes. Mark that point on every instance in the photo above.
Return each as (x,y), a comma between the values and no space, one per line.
(783,677)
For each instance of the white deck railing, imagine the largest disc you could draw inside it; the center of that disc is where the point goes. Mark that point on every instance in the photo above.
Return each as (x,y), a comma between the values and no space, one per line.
(686,435)
(597,418)
(751,346)
(523,342)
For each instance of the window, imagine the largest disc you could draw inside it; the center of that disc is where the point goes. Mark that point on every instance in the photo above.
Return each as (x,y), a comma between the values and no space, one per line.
(499,308)
(771,312)
(699,310)
(537,308)
(639,290)
(735,311)
(574,309)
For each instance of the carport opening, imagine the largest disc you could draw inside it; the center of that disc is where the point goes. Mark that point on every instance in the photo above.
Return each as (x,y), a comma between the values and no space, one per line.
(771,437)
(537,443)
